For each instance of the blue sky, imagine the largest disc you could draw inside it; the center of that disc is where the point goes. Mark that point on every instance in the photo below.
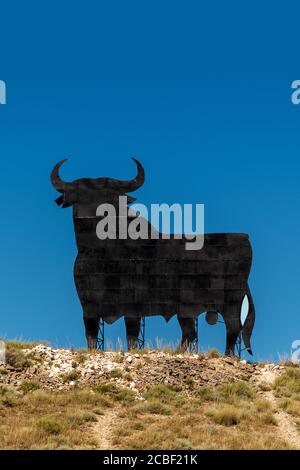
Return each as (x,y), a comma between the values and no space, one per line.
(200,94)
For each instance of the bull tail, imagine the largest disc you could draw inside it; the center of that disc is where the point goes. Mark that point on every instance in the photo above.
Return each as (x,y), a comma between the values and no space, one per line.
(248,323)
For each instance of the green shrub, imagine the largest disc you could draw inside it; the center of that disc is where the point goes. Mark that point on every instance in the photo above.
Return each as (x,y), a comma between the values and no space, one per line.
(116,393)
(17,359)
(71,376)
(154,407)
(80,417)
(124,394)
(50,425)
(116,373)
(82,357)
(161,392)
(29,385)
(9,400)
(238,389)
(206,393)
(108,388)
(288,384)
(91,398)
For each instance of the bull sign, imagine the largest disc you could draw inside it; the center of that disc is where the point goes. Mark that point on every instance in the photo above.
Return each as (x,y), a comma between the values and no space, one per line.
(137,276)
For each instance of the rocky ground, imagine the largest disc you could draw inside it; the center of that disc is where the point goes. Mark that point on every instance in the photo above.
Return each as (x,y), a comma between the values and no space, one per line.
(63,369)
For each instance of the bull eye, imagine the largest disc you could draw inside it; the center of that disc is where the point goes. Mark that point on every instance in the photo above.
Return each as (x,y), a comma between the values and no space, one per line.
(244,309)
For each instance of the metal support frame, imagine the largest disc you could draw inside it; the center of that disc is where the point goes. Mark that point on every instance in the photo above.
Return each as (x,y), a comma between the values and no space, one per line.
(238,345)
(141,337)
(100,339)
(194,345)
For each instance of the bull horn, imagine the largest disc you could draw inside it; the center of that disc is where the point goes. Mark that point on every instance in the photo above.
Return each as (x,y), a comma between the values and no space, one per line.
(138,181)
(56,180)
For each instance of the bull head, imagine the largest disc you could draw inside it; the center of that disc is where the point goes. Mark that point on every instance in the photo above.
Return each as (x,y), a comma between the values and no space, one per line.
(90,191)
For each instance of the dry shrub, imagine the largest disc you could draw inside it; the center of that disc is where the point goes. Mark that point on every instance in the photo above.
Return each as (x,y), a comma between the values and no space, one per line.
(226,415)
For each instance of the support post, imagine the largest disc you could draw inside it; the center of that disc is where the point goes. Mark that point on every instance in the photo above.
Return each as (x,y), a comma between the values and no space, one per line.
(193,347)
(238,345)
(100,339)
(141,337)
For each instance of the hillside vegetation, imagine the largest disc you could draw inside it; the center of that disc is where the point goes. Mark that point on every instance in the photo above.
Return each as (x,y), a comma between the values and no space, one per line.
(65,399)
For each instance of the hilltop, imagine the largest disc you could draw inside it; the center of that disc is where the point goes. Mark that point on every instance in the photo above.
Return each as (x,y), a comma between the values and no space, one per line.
(66,399)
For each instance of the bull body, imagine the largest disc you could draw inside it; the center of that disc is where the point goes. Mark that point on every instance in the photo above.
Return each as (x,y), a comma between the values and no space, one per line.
(134,278)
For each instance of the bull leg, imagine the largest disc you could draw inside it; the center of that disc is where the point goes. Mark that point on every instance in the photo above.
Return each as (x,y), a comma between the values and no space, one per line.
(91,332)
(233,328)
(132,332)
(188,330)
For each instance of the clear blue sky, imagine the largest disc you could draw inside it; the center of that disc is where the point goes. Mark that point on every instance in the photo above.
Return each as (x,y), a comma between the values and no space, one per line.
(200,93)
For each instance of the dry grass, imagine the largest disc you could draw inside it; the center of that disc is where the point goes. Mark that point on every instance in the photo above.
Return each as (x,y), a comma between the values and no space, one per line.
(227,417)
(287,388)
(230,416)
(49,420)
(19,344)
(16,357)
(288,384)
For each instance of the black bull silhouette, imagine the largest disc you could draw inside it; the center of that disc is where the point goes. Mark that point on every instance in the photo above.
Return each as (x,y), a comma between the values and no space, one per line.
(136,278)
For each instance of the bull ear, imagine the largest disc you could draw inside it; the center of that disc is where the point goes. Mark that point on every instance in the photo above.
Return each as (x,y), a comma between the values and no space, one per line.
(130,199)
(60,200)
